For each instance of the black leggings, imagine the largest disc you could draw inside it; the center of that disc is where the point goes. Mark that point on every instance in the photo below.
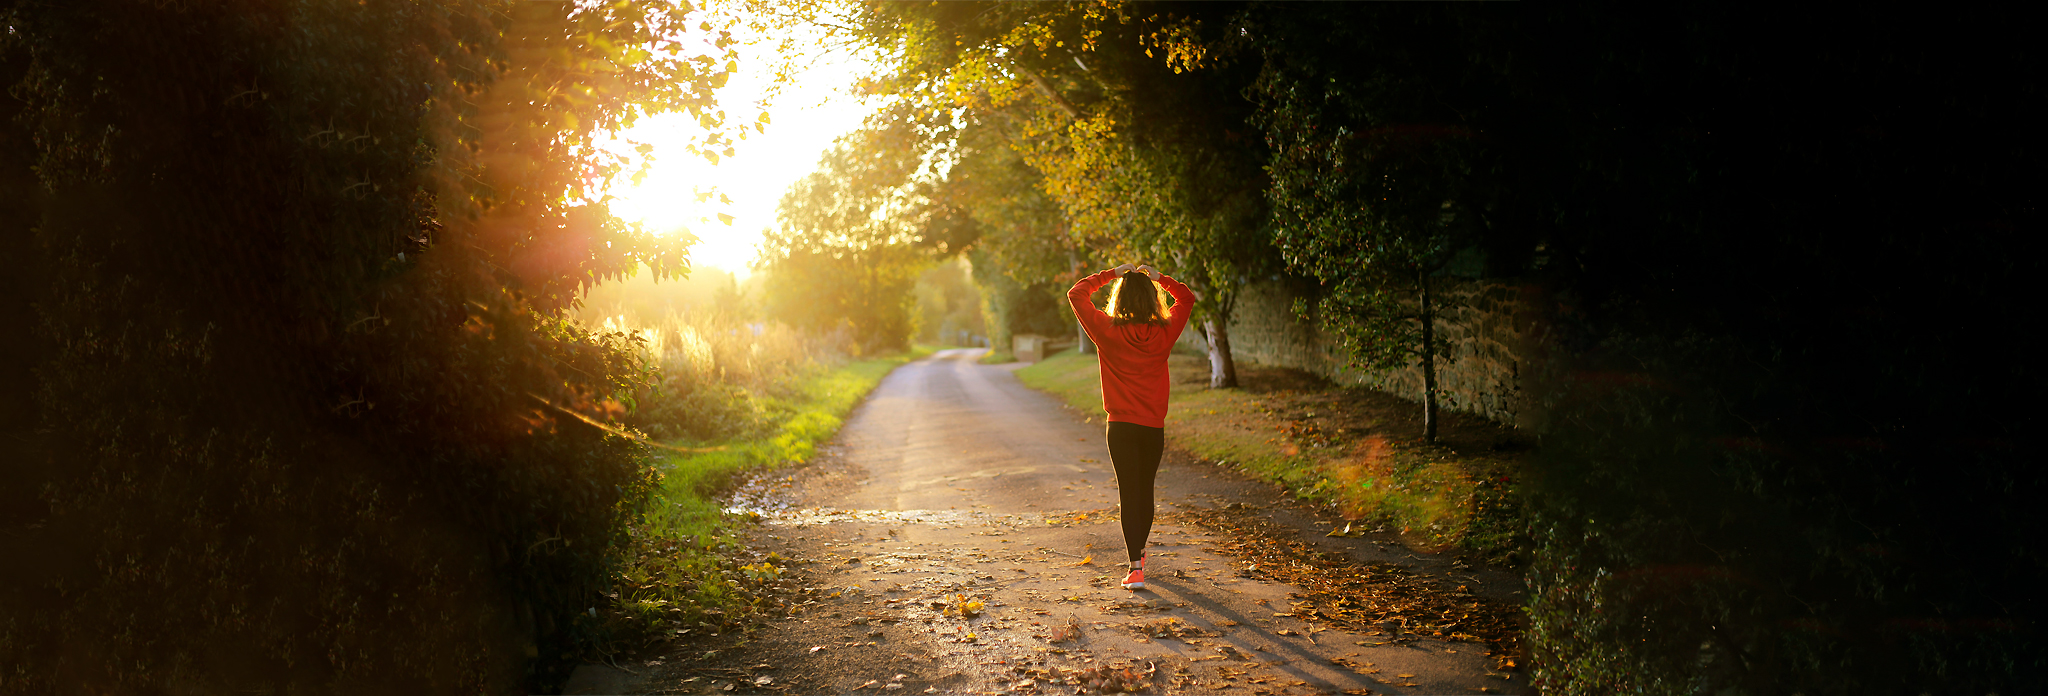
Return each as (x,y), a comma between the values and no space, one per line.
(1134,451)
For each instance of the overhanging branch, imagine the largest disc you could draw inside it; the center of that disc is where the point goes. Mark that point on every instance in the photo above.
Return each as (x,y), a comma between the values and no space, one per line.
(1047,90)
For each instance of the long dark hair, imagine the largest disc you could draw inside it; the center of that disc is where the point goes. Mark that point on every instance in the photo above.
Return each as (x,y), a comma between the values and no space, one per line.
(1136,300)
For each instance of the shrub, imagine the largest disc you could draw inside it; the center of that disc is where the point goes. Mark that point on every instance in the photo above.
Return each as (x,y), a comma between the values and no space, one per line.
(318,419)
(1693,534)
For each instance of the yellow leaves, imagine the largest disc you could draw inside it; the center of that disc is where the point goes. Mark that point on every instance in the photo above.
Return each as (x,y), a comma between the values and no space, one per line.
(962,606)
(1090,559)
(761,572)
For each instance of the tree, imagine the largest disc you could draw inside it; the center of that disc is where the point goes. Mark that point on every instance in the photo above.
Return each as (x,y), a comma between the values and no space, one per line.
(1142,155)
(852,238)
(1021,250)
(1760,253)
(949,306)
(1376,176)
(306,274)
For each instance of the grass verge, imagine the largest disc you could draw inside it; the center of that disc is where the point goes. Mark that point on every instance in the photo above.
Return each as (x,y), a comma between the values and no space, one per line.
(681,575)
(1355,450)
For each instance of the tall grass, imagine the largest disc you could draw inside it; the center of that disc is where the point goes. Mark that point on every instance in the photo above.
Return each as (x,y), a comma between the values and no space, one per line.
(719,375)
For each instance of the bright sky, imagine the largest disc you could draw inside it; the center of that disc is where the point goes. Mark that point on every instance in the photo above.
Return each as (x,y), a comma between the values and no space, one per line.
(805,118)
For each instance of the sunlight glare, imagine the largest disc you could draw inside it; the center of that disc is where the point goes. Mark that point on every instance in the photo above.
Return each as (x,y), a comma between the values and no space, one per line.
(805,118)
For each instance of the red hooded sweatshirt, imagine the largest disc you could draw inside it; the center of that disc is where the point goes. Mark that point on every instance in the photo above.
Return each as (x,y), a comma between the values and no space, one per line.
(1133,356)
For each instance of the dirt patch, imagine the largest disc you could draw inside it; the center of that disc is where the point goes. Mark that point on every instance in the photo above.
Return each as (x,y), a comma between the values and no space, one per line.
(804,634)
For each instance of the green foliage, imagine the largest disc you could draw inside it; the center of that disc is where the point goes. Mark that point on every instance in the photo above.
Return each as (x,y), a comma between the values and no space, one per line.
(1374,184)
(323,420)
(848,246)
(1143,158)
(1673,556)
(1021,252)
(1015,308)
(949,305)
(714,374)
(679,576)
(1437,501)
(1751,412)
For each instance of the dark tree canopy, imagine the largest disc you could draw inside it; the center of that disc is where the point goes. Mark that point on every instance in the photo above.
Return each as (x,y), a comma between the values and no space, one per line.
(1763,259)
(313,411)
(1785,236)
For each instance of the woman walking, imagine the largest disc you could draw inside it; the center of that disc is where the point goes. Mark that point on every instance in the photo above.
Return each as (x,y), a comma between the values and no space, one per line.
(1133,340)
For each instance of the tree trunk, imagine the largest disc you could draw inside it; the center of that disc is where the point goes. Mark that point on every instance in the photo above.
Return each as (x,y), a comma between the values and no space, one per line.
(1085,346)
(1222,369)
(1428,362)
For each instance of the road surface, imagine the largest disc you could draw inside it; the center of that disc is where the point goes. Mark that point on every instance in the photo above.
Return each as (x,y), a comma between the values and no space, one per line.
(961,538)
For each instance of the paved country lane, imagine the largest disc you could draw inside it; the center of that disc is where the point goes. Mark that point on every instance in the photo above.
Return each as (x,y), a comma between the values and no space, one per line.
(961,538)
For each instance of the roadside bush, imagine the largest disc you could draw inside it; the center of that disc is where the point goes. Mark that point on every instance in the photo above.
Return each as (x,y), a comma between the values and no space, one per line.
(313,415)
(1706,522)
(712,370)
(683,574)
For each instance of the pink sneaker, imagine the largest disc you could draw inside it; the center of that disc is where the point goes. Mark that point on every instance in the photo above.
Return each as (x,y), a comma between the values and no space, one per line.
(1136,580)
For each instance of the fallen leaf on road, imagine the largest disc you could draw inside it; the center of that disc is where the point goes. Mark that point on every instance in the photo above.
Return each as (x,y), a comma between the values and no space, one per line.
(1064,632)
(1363,597)
(870,683)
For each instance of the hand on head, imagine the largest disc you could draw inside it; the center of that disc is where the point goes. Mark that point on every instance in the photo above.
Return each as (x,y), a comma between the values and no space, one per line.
(1126,268)
(1150,271)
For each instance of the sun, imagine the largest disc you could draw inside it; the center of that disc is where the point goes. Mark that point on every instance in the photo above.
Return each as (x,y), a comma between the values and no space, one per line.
(805,117)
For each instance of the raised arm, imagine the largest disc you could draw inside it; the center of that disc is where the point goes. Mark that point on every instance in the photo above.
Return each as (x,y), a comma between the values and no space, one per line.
(1092,318)
(1183,303)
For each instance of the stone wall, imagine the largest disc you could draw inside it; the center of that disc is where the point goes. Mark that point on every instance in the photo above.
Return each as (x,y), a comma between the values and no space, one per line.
(1487,326)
